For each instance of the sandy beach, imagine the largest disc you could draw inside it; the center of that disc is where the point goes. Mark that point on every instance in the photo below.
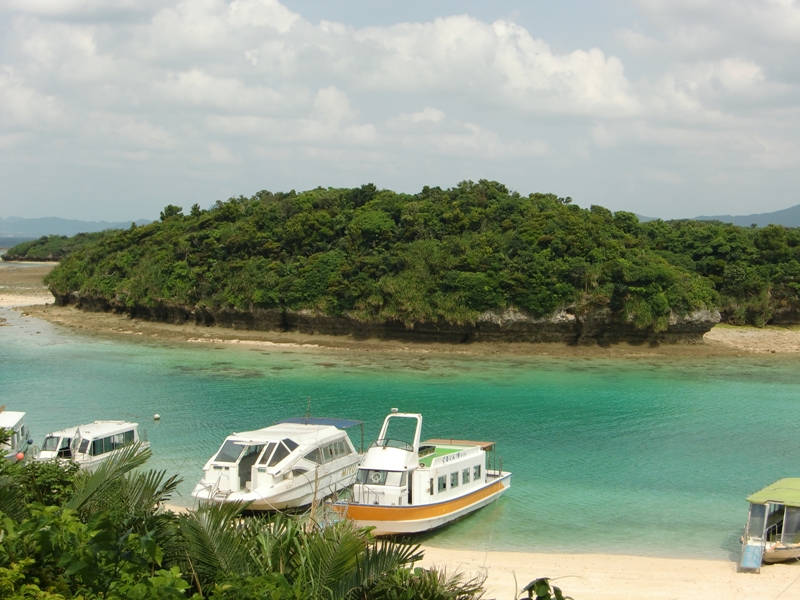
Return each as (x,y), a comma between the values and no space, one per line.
(618,577)
(22,285)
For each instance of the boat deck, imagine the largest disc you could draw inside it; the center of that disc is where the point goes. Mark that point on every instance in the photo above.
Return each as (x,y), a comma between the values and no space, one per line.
(438,451)
(442,447)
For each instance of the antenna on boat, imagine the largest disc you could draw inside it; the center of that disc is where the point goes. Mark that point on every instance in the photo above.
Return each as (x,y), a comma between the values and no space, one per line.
(308,410)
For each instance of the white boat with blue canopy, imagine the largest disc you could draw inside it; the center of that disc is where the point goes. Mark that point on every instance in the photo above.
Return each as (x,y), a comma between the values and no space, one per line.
(288,465)
(772,533)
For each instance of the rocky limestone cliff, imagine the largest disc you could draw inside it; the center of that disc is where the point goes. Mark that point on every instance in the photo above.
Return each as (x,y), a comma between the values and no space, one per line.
(600,326)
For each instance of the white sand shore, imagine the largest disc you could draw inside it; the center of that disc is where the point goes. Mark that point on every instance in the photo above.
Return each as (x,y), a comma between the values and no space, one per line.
(617,577)
(7,300)
(614,576)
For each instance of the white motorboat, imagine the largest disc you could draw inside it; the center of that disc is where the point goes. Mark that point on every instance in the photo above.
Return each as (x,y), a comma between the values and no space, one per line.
(20,438)
(90,444)
(410,487)
(287,465)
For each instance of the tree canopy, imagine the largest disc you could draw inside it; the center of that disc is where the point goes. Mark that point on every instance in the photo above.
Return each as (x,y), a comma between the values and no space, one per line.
(441,255)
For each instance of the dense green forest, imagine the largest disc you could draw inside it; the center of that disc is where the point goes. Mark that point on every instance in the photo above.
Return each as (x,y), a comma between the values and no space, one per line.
(66,533)
(439,256)
(53,247)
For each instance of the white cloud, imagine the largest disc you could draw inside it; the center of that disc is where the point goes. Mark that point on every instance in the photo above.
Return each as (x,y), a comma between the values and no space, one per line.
(193,82)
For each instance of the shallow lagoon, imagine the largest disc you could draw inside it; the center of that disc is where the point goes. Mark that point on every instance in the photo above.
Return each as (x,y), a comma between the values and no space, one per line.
(643,456)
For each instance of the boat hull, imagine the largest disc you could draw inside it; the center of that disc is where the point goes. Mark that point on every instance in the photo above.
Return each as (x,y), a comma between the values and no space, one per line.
(392,520)
(271,499)
(779,553)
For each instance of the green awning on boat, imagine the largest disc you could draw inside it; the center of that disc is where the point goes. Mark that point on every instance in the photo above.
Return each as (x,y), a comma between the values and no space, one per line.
(783,491)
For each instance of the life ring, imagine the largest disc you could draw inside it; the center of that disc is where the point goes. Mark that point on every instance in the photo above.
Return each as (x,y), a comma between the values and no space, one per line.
(376,477)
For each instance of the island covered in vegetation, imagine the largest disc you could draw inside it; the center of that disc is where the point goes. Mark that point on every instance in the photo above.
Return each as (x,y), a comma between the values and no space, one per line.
(474,262)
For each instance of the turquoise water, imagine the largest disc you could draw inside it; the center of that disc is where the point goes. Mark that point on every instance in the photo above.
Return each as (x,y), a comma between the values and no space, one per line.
(644,456)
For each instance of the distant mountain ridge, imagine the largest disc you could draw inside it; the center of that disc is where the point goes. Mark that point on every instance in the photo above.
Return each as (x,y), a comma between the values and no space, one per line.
(788,217)
(19,227)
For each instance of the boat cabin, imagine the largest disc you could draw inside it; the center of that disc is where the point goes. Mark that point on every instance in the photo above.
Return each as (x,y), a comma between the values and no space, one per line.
(89,444)
(302,454)
(14,423)
(772,533)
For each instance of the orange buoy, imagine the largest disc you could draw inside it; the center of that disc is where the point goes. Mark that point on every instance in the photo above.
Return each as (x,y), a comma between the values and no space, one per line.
(20,455)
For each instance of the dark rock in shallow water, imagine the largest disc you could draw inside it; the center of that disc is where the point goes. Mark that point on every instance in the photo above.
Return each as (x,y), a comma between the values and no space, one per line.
(599,326)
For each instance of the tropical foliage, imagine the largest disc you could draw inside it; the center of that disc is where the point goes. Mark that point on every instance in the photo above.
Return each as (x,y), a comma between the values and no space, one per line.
(52,247)
(442,256)
(68,534)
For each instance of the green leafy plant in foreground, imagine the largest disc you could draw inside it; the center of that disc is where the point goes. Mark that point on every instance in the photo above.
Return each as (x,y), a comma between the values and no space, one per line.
(543,590)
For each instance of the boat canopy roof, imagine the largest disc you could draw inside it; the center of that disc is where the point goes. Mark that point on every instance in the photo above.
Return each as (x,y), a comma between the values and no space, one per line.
(452,442)
(103,428)
(784,491)
(9,419)
(304,435)
(340,423)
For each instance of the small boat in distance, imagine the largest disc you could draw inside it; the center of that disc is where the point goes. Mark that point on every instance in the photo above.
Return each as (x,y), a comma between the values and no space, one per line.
(288,465)
(404,487)
(19,440)
(772,533)
(90,444)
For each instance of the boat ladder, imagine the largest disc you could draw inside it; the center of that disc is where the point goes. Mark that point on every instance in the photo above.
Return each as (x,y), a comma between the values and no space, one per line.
(752,555)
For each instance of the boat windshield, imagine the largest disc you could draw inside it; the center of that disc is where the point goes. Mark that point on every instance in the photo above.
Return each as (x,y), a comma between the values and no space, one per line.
(387,443)
(50,443)
(375,477)
(229,452)
(276,452)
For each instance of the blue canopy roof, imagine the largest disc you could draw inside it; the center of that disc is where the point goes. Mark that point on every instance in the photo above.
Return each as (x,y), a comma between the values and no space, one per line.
(340,423)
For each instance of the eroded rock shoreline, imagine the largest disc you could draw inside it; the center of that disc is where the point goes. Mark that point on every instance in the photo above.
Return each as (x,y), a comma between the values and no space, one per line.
(511,326)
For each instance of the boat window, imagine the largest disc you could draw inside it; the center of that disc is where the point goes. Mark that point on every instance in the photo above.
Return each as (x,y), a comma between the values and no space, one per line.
(372,477)
(465,475)
(290,444)
(267,453)
(453,480)
(756,521)
(127,437)
(341,448)
(64,450)
(791,525)
(50,444)
(442,484)
(476,473)
(249,451)
(327,453)
(281,452)
(396,478)
(97,447)
(229,452)
(84,446)
(314,456)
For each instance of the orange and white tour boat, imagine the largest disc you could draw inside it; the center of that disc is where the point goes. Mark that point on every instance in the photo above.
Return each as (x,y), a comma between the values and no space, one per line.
(403,487)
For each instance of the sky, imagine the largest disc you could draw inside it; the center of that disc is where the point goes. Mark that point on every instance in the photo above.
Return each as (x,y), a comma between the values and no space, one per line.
(112,109)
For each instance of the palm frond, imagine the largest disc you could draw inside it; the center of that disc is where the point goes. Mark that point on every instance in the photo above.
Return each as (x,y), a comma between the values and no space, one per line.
(110,471)
(12,498)
(330,556)
(379,558)
(216,542)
